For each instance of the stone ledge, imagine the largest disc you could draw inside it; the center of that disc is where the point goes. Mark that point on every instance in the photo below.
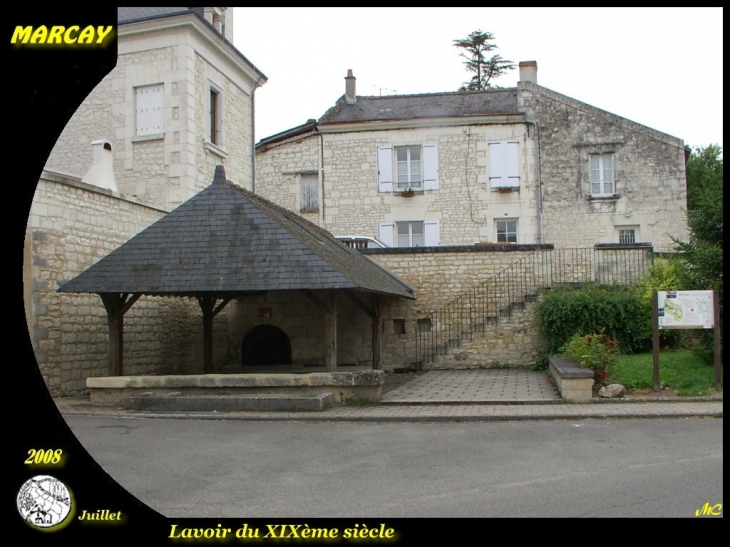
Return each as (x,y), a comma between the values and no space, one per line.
(365,384)
(574,381)
(177,402)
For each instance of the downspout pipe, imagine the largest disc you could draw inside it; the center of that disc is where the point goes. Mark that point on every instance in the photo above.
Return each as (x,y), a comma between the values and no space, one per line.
(538,185)
(253,133)
(321,173)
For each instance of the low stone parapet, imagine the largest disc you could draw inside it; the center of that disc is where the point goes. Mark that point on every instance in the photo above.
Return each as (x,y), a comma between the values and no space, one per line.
(365,385)
(573,380)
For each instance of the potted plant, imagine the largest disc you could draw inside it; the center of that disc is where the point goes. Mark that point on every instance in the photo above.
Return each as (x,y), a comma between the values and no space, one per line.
(504,189)
(407,193)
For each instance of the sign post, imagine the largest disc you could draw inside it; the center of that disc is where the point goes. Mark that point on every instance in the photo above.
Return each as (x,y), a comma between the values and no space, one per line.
(686,310)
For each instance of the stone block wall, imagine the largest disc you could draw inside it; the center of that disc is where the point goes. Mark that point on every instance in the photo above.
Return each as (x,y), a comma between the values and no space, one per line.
(164,169)
(71,226)
(464,204)
(650,174)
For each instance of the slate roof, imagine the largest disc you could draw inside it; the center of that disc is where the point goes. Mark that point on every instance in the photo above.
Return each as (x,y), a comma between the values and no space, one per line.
(428,105)
(226,240)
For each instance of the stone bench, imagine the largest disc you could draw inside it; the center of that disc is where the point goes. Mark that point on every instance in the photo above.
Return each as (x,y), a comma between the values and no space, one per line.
(366,385)
(574,381)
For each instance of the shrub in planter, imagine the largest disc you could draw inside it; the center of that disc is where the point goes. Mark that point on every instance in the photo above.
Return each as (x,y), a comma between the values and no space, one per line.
(597,352)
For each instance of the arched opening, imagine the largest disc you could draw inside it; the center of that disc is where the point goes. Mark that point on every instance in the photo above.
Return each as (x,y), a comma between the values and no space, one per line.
(265,345)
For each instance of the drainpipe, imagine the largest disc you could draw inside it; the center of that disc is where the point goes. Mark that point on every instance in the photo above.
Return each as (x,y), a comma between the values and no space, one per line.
(321,172)
(538,186)
(253,134)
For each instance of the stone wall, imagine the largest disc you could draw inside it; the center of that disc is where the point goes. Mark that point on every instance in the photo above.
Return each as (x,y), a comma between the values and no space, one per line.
(71,226)
(649,169)
(166,168)
(464,204)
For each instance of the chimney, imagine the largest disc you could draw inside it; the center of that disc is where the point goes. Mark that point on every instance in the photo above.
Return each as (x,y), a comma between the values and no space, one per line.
(350,96)
(101,172)
(528,71)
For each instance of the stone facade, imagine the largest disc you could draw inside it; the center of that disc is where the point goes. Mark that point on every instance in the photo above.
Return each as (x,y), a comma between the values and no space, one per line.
(166,167)
(71,226)
(552,201)
(650,193)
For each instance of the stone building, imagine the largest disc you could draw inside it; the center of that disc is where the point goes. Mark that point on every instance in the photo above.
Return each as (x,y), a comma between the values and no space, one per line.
(179,102)
(474,192)
(520,165)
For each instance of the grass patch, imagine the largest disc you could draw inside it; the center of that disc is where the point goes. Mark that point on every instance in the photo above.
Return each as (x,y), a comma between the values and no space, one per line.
(679,370)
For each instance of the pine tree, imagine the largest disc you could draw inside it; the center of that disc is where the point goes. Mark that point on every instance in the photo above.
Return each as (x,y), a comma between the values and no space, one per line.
(474,47)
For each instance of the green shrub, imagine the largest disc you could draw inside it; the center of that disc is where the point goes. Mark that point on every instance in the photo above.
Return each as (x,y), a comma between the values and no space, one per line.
(619,312)
(594,351)
(664,275)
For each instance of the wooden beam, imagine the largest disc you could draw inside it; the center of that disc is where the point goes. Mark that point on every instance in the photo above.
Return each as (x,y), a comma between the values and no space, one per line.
(330,331)
(222,305)
(314,299)
(377,323)
(351,294)
(113,302)
(207,304)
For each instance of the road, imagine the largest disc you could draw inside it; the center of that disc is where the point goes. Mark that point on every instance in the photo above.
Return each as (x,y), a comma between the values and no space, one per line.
(586,468)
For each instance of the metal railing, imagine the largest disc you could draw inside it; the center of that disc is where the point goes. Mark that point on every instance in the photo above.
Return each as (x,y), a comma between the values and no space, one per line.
(511,290)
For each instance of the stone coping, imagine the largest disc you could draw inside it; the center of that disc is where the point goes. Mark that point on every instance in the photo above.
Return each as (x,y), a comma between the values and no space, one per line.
(315,379)
(568,369)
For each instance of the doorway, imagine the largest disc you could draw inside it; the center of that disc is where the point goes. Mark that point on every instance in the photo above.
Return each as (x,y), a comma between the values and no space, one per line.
(265,345)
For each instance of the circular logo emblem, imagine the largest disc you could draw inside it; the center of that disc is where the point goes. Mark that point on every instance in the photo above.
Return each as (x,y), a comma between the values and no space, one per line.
(44,501)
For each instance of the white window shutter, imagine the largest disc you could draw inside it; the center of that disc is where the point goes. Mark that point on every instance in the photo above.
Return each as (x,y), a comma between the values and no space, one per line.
(386,233)
(497,165)
(432,237)
(150,101)
(430,167)
(512,163)
(385,169)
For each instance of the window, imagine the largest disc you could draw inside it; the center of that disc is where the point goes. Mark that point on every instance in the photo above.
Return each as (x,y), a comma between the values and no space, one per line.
(399,326)
(149,103)
(414,233)
(310,195)
(410,234)
(628,234)
(410,167)
(215,117)
(504,168)
(506,231)
(602,181)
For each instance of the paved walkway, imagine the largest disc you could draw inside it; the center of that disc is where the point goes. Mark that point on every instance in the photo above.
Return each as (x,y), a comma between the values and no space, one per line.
(474,395)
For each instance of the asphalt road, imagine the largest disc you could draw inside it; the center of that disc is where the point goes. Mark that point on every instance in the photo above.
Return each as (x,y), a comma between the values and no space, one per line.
(586,468)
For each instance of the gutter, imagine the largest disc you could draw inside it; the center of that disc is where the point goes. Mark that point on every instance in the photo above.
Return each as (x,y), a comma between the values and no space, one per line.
(538,185)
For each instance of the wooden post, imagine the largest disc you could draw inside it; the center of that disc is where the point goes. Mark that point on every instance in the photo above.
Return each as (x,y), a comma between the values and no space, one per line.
(718,360)
(115,320)
(655,336)
(377,323)
(330,331)
(206,305)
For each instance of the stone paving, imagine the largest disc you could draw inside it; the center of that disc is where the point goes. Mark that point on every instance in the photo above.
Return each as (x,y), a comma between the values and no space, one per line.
(475,386)
(436,396)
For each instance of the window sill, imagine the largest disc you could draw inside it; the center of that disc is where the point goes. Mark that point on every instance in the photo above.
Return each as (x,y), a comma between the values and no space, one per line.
(152,137)
(612,197)
(215,149)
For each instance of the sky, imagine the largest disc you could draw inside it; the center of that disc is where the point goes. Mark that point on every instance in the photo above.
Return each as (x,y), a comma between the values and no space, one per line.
(660,67)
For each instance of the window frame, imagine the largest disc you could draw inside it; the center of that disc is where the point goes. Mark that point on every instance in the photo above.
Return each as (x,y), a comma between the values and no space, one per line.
(312,181)
(506,230)
(387,168)
(602,182)
(411,233)
(635,235)
(215,134)
(409,184)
